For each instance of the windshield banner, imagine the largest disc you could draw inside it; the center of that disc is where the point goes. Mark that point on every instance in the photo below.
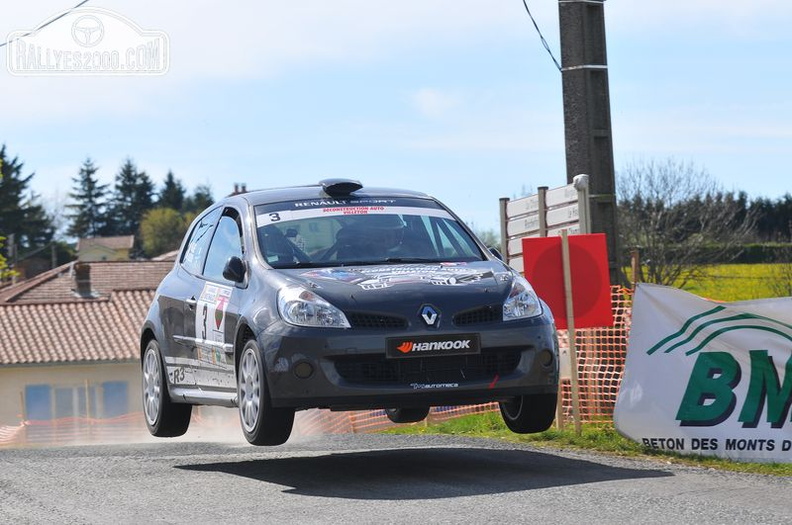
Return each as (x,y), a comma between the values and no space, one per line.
(708,378)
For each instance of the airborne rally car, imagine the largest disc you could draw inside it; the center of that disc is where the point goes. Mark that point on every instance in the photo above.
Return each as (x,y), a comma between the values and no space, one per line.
(343,297)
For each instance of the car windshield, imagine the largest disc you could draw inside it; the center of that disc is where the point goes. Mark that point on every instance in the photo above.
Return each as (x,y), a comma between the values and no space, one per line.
(361,231)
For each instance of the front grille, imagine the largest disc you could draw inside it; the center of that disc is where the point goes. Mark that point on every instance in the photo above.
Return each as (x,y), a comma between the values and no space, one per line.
(483,315)
(366,320)
(377,370)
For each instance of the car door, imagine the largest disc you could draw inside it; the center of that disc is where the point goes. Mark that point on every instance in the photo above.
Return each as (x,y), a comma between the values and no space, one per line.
(216,310)
(178,303)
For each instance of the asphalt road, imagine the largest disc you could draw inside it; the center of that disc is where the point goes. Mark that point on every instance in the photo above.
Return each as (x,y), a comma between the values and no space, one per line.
(371,479)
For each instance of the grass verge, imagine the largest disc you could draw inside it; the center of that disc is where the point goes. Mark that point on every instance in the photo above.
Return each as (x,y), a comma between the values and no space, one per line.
(593,438)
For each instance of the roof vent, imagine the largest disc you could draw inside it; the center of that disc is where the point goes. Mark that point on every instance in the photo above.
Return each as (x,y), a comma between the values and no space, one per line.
(340,187)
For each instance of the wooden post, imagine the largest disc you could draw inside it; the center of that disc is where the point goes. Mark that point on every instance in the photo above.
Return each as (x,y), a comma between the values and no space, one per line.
(542,211)
(504,235)
(635,263)
(571,329)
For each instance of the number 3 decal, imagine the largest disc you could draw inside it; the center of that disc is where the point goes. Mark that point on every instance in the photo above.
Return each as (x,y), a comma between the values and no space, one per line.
(203,330)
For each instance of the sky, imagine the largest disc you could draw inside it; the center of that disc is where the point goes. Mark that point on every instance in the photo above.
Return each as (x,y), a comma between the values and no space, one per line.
(454,98)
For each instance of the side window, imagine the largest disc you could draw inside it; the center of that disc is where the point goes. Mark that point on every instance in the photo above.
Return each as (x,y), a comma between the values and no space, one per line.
(195,251)
(226,242)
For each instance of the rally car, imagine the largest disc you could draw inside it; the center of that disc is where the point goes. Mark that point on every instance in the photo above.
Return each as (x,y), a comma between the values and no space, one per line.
(344,297)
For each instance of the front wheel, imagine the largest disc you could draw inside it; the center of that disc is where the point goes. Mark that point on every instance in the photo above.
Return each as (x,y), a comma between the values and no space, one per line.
(261,423)
(164,418)
(529,414)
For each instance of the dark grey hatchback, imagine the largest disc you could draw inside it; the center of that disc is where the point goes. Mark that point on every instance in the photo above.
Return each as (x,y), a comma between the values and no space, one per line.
(342,297)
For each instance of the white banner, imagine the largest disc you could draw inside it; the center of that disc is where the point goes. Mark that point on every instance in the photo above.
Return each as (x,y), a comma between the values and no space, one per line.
(708,378)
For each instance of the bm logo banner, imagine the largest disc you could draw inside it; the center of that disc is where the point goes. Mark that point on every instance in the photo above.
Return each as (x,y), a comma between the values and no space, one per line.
(708,379)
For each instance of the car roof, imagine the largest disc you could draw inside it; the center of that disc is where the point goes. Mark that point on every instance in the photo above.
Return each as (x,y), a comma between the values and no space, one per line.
(317,192)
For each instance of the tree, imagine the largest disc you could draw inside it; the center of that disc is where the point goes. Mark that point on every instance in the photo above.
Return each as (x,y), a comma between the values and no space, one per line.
(21,214)
(133,196)
(773,218)
(200,199)
(5,271)
(162,230)
(488,237)
(172,194)
(89,218)
(679,219)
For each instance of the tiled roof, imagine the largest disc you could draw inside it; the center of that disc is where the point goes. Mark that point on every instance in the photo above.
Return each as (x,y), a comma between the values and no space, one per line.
(104,329)
(123,242)
(43,320)
(59,285)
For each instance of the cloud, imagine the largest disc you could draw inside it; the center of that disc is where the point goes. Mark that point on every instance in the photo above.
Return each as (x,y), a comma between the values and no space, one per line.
(434,103)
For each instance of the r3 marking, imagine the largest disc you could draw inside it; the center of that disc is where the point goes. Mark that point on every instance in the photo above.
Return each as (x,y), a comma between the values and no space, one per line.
(177,375)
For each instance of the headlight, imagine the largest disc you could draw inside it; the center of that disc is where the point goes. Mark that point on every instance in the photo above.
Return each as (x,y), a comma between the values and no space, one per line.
(301,307)
(522,302)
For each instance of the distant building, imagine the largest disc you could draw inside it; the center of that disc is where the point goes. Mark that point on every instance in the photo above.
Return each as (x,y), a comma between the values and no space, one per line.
(69,350)
(105,248)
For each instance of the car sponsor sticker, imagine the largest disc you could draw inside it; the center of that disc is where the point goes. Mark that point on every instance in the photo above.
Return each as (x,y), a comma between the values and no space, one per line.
(433,345)
(210,320)
(273,217)
(380,277)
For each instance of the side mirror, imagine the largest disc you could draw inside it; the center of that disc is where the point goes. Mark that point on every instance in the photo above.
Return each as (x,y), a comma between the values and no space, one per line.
(494,251)
(234,269)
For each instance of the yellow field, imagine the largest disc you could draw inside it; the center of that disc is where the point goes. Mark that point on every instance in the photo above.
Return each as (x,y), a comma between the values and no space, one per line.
(739,282)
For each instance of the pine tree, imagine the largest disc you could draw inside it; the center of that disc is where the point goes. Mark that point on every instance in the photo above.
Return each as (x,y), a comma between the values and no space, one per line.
(133,195)
(173,193)
(89,217)
(199,200)
(21,214)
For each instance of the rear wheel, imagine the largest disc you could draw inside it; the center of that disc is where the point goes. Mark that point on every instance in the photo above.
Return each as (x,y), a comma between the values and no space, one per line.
(164,418)
(407,415)
(261,423)
(529,414)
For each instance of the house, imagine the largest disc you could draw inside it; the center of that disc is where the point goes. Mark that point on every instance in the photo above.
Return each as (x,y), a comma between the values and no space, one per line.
(69,350)
(105,248)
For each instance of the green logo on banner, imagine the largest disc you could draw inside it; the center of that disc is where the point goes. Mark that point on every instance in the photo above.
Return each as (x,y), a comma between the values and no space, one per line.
(709,398)
(710,327)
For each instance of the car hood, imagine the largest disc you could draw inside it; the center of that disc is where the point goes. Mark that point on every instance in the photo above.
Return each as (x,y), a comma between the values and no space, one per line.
(404,288)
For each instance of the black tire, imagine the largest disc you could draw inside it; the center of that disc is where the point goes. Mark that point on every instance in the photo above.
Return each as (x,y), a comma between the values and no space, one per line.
(529,414)
(164,418)
(407,415)
(261,423)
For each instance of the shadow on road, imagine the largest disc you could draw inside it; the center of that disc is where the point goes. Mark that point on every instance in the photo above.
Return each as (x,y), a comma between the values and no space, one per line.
(423,473)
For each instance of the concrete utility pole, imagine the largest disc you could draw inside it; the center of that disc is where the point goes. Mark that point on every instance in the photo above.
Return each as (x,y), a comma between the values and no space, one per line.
(587,123)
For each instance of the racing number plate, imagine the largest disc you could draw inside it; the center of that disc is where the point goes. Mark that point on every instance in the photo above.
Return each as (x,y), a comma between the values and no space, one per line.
(433,345)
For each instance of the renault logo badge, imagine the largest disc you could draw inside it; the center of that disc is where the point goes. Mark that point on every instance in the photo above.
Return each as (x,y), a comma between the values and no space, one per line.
(430,315)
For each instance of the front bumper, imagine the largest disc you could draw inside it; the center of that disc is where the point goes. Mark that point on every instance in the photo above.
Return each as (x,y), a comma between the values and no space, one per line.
(349,370)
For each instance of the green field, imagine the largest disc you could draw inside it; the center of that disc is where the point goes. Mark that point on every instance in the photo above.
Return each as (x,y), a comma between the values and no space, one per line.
(740,282)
